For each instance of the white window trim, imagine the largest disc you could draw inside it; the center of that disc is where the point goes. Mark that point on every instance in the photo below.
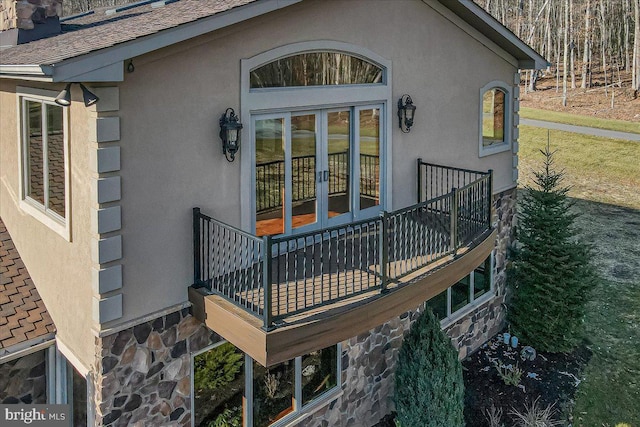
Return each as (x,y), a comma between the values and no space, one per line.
(474,303)
(62,226)
(272,100)
(299,412)
(508,120)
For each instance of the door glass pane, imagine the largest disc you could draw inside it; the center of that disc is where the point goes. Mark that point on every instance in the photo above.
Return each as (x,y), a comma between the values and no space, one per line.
(218,383)
(55,157)
(338,142)
(273,391)
(269,136)
(369,158)
(303,170)
(319,373)
(35,176)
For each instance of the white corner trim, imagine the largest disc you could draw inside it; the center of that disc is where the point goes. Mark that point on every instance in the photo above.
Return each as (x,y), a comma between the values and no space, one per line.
(107,309)
(71,357)
(106,250)
(106,280)
(106,189)
(104,129)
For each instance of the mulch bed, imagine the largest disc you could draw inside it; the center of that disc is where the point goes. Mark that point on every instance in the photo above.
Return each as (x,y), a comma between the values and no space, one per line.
(552,378)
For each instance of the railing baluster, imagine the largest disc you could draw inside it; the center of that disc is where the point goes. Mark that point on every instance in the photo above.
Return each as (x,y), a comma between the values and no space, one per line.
(266,287)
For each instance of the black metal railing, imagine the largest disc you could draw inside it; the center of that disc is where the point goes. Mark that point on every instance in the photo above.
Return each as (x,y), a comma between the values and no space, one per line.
(270,178)
(274,277)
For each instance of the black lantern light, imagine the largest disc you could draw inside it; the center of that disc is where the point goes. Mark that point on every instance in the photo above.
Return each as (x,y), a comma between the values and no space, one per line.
(406,112)
(230,134)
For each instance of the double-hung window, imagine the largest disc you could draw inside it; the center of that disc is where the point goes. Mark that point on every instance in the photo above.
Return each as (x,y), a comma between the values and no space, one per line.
(44,160)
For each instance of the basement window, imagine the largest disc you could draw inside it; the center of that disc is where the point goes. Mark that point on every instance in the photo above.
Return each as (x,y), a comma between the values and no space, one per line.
(224,378)
(464,295)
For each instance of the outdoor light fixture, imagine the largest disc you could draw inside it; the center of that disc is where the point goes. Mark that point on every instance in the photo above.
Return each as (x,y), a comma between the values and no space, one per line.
(406,112)
(64,97)
(230,134)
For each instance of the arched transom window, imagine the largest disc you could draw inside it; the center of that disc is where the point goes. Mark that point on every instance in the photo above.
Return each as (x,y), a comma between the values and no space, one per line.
(316,130)
(316,69)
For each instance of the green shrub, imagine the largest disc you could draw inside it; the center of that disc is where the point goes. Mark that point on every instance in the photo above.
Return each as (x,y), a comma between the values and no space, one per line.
(217,367)
(429,385)
(550,277)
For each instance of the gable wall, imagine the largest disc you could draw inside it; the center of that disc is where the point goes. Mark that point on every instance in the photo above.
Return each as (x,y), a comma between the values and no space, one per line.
(170,105)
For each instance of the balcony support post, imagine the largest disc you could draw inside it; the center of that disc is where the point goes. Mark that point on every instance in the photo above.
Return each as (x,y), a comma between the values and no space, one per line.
(384,251)
(489,198)
(196,246)
(455,196)
(266,282)
(419,179)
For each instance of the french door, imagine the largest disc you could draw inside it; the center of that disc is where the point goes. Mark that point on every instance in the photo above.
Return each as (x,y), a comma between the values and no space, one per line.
(318,168)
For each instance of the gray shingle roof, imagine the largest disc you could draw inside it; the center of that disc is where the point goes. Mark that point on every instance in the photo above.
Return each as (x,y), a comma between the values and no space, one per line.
(100,29)
(23,316)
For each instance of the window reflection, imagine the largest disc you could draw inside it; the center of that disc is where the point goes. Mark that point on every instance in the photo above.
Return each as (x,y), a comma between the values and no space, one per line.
(316,69)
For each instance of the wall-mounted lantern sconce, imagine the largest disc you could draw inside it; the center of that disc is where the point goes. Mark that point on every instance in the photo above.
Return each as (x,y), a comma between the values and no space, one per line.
(64,97)
(406,112)
(230,134)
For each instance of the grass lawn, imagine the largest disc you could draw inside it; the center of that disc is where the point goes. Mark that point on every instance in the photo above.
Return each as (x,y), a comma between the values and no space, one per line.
(574,119)
(599,169)
(605,179)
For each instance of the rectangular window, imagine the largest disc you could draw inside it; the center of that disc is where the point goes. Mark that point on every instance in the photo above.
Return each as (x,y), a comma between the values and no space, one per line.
(458,298)
(44,165)
(231,389)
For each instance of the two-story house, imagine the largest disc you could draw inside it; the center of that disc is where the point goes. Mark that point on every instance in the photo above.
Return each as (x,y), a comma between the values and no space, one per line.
(233,209)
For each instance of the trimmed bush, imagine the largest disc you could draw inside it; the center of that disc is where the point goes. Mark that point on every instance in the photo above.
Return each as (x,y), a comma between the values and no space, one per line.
(550,277)
(429,385)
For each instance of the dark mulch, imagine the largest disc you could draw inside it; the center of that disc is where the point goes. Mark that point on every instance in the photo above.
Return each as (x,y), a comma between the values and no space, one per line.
(552,378)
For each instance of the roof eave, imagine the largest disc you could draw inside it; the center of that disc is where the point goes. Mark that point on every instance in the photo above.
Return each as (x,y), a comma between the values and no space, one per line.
(106,65)
(27,72)
(527,57)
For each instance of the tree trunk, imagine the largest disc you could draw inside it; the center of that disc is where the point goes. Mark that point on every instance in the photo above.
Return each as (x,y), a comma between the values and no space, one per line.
(565,58)
(636,49)
(586,57)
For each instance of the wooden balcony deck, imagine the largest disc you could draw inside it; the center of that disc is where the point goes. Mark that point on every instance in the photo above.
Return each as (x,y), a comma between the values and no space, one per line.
(362,308)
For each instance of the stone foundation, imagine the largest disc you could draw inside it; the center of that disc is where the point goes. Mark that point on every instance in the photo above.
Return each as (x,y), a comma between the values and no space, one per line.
(143,373)
(24,380)
(486,320)
(24,14)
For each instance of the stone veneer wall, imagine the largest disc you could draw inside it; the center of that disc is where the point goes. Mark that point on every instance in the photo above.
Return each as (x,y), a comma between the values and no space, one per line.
(143,373)
(24,380)
(368,361)
(486,320)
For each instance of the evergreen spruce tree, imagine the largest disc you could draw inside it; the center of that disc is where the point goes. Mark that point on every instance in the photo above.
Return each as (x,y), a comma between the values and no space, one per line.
(429,385)
(551,276)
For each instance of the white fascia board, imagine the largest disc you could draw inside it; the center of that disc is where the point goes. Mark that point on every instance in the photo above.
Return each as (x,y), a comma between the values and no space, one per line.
(112,58)
(26,72)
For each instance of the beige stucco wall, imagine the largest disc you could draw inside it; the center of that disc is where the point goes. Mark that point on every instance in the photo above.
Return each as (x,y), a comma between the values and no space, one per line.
(170,105)
(60,269)
(170,152)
